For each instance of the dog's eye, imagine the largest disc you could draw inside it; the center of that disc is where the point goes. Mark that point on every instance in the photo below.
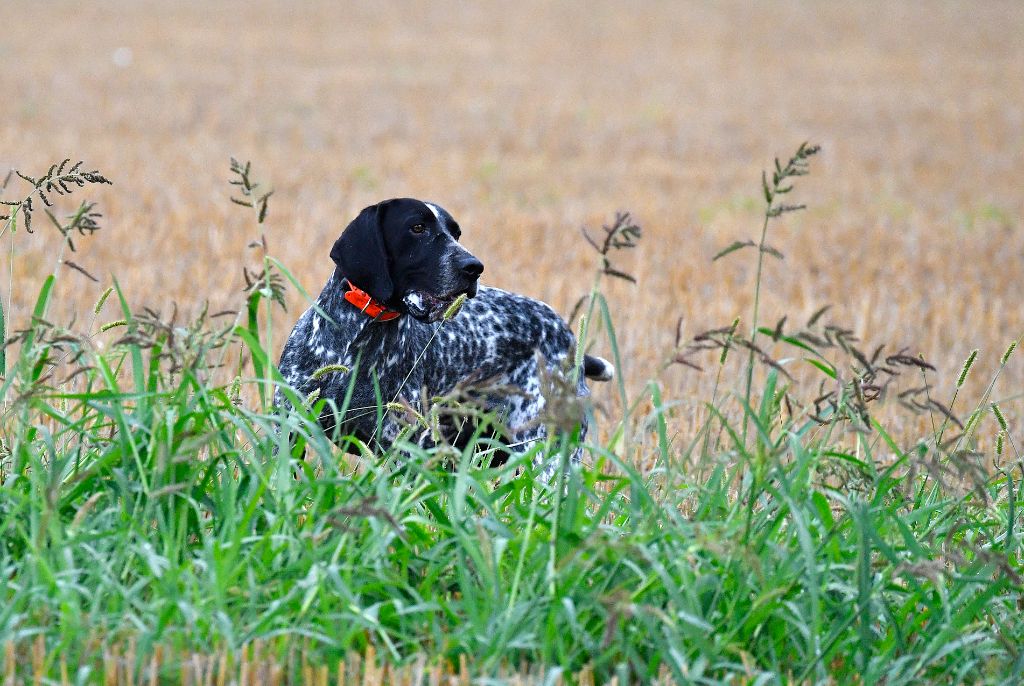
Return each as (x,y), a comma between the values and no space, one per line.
(418,228)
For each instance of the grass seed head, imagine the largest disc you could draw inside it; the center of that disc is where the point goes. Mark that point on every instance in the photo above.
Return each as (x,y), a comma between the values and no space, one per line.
(329,369)
(999,417)
(1009,351)
(454,308)
(103,298)
(967,368)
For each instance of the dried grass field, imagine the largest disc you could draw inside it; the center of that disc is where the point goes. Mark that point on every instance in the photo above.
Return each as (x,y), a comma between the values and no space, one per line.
(530,121)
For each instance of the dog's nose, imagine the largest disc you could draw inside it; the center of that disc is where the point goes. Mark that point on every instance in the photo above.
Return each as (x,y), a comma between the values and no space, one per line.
(471,267)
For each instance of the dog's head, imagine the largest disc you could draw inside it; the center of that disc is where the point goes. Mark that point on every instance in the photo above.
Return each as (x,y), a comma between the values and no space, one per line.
(405,254)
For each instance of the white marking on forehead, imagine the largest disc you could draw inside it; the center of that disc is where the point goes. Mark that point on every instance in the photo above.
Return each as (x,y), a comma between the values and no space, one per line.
(437,214)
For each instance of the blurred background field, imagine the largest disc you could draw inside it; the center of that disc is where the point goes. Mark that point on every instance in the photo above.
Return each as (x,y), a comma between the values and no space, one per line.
(529,120)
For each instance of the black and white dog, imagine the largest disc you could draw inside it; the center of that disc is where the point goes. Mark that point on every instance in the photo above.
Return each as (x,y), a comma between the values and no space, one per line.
(399,267)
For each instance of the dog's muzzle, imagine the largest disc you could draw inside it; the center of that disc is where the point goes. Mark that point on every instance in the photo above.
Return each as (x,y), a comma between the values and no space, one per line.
(431,306)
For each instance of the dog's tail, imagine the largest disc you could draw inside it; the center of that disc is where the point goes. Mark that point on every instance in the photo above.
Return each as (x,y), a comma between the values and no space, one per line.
(598,368)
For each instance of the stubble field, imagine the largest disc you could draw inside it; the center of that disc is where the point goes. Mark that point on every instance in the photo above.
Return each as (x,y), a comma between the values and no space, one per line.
(531,121)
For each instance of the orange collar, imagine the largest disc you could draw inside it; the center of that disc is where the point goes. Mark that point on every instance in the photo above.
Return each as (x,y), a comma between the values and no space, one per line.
(367,305)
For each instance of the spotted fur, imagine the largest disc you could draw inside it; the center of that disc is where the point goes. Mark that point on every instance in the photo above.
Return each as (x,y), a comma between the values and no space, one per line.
(498,339)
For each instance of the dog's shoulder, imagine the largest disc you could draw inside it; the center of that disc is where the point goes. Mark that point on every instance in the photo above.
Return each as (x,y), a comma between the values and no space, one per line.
(497,303)
(297,358)
(514,319)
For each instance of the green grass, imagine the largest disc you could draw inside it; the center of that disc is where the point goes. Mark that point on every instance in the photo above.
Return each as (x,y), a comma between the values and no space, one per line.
(153,500)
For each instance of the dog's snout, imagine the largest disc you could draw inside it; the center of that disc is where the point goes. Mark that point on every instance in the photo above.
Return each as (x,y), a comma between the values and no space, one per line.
(470,267)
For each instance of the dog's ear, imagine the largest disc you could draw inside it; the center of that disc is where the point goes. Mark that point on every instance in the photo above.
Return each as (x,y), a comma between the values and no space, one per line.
(361,256)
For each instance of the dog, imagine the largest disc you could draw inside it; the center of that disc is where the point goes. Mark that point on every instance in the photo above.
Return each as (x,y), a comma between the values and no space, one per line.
(380,325)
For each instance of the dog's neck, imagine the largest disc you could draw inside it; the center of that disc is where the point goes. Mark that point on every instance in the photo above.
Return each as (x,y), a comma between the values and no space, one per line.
(344,321)
(365,303)
(337,337)
(341,299)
